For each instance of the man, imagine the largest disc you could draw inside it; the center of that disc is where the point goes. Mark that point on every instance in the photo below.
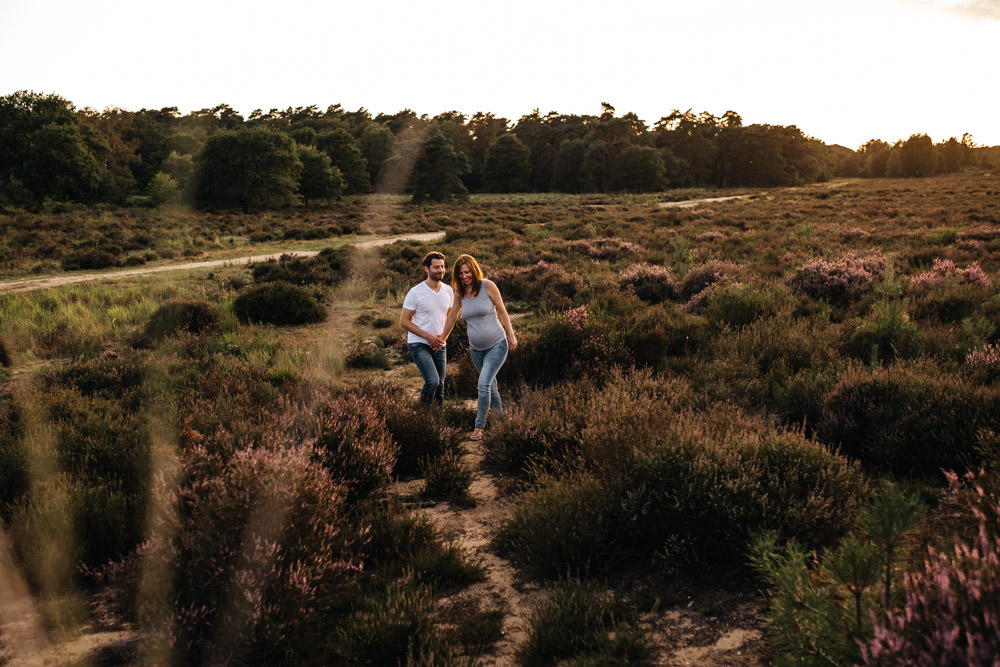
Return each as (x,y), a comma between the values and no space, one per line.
(425,310)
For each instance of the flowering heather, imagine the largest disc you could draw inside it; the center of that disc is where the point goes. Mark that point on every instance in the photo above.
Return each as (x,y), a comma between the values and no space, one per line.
(984,361)
(650,282)
(532,282)
(710,235)
(701,276)
(951,613)
(840,278)
(605,249)
(944,271)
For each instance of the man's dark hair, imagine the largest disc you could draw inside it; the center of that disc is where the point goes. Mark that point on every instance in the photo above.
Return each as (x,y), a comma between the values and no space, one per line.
(432,256)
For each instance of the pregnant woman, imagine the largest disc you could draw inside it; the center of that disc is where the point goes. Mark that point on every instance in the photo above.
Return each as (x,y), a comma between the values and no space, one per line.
(490,332)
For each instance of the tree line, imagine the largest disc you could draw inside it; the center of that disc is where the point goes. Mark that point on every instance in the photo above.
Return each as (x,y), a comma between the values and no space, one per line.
(217,159)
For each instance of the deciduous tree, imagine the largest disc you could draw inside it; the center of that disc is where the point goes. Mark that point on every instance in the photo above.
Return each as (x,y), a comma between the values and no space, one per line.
(249,168)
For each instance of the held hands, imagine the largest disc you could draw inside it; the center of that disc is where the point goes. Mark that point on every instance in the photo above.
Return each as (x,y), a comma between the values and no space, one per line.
(437,341)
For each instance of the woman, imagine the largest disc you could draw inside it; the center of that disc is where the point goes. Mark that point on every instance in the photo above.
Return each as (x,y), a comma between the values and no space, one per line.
(490,332)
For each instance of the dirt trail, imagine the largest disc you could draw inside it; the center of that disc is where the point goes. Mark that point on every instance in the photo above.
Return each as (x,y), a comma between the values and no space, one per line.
(716,629)
(32,284)
(691,203)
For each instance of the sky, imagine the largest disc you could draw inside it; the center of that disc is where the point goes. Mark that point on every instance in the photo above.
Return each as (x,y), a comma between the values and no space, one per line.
(843,72)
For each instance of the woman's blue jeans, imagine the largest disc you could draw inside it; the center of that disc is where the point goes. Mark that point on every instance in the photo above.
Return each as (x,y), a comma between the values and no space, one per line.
(431,364)
(488,363)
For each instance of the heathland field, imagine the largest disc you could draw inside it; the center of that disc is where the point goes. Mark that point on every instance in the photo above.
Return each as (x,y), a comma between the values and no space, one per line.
(745,426)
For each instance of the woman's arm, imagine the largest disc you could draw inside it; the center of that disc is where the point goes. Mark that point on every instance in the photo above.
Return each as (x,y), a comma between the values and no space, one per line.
(508,328)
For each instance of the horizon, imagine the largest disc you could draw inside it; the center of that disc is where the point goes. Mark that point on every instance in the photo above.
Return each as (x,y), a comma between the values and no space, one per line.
(882,69)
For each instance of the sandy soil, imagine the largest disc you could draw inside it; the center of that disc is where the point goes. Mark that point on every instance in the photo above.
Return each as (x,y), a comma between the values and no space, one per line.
(692,203)
(70,279)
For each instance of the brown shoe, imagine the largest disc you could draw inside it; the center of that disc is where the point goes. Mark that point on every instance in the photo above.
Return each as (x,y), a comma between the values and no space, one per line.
(477,434)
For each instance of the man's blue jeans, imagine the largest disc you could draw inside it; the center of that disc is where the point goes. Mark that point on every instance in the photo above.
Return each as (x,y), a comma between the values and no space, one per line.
(488,363)
(431,364)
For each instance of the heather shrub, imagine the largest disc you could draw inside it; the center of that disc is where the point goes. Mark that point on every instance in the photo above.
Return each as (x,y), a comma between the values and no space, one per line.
(562,523)
(908,418)
(688,486)
(89,259)
(983,363)
(948,303)
(355,445)
(261,546)
(330,267)
(887,334)
(419,432)
(569,345)
(182,316)
(650,282)
(367,353)
(278,303)
(541,431)
(113,375)
(822,605)
(98,453)
(950,614)
(4,355)
(842,279)
(658,333)
(540,283)
(446,477)
(581,623)
(703,275)
(735,304)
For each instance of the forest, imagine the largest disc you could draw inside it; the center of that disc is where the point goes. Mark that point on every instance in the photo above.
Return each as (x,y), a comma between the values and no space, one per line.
(217,159)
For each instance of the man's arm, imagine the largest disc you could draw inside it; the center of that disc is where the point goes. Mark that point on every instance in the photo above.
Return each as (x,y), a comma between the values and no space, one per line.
(406,321)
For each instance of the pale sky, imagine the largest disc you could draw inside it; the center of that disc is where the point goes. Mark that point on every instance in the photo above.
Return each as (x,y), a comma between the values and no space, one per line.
(843,72)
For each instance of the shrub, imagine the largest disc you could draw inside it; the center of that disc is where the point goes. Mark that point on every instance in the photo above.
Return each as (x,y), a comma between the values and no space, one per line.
(841,279)
(182,316)
(88,259)
(650,282)
(278,303)
(703,275)
(542,282)
(355,445)
(329,267)
(580,622)
(984,363)
(907,418)
(951,611)
(446,477)
(887,335)
(734,304)
(4,355)
(658,332)
(948,303)
(689,485)
(367,353)
(821,606)
(569,345)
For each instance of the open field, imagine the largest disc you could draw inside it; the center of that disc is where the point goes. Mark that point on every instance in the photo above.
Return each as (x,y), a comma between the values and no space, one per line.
(700,390)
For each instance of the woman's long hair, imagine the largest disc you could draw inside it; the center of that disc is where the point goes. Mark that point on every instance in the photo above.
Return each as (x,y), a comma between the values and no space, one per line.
(477,275)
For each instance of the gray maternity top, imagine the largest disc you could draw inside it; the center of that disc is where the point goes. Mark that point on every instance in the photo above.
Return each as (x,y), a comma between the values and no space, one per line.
(481,320)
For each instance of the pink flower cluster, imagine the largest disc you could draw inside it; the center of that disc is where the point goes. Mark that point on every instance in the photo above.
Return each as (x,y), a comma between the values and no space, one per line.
(944,271)
(984,359)
(840,277)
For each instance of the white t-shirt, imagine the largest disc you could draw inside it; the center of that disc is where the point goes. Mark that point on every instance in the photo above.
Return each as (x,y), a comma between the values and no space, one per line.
(430,309)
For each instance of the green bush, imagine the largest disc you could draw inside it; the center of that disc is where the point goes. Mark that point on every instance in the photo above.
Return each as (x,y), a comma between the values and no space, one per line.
(580,622)
(446,477)
(908,418)
(887,335)
(734,304)
(279,303)
(650,282)
(88,259)
(182,316)
(690,486)
(367,353)
(330,267)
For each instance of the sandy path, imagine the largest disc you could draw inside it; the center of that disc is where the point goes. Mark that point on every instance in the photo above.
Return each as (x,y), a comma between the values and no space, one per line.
(691,203)
(32,284)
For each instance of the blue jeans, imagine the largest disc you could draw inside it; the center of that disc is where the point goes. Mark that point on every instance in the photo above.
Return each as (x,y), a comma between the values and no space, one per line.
(431,364)
(488,363)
